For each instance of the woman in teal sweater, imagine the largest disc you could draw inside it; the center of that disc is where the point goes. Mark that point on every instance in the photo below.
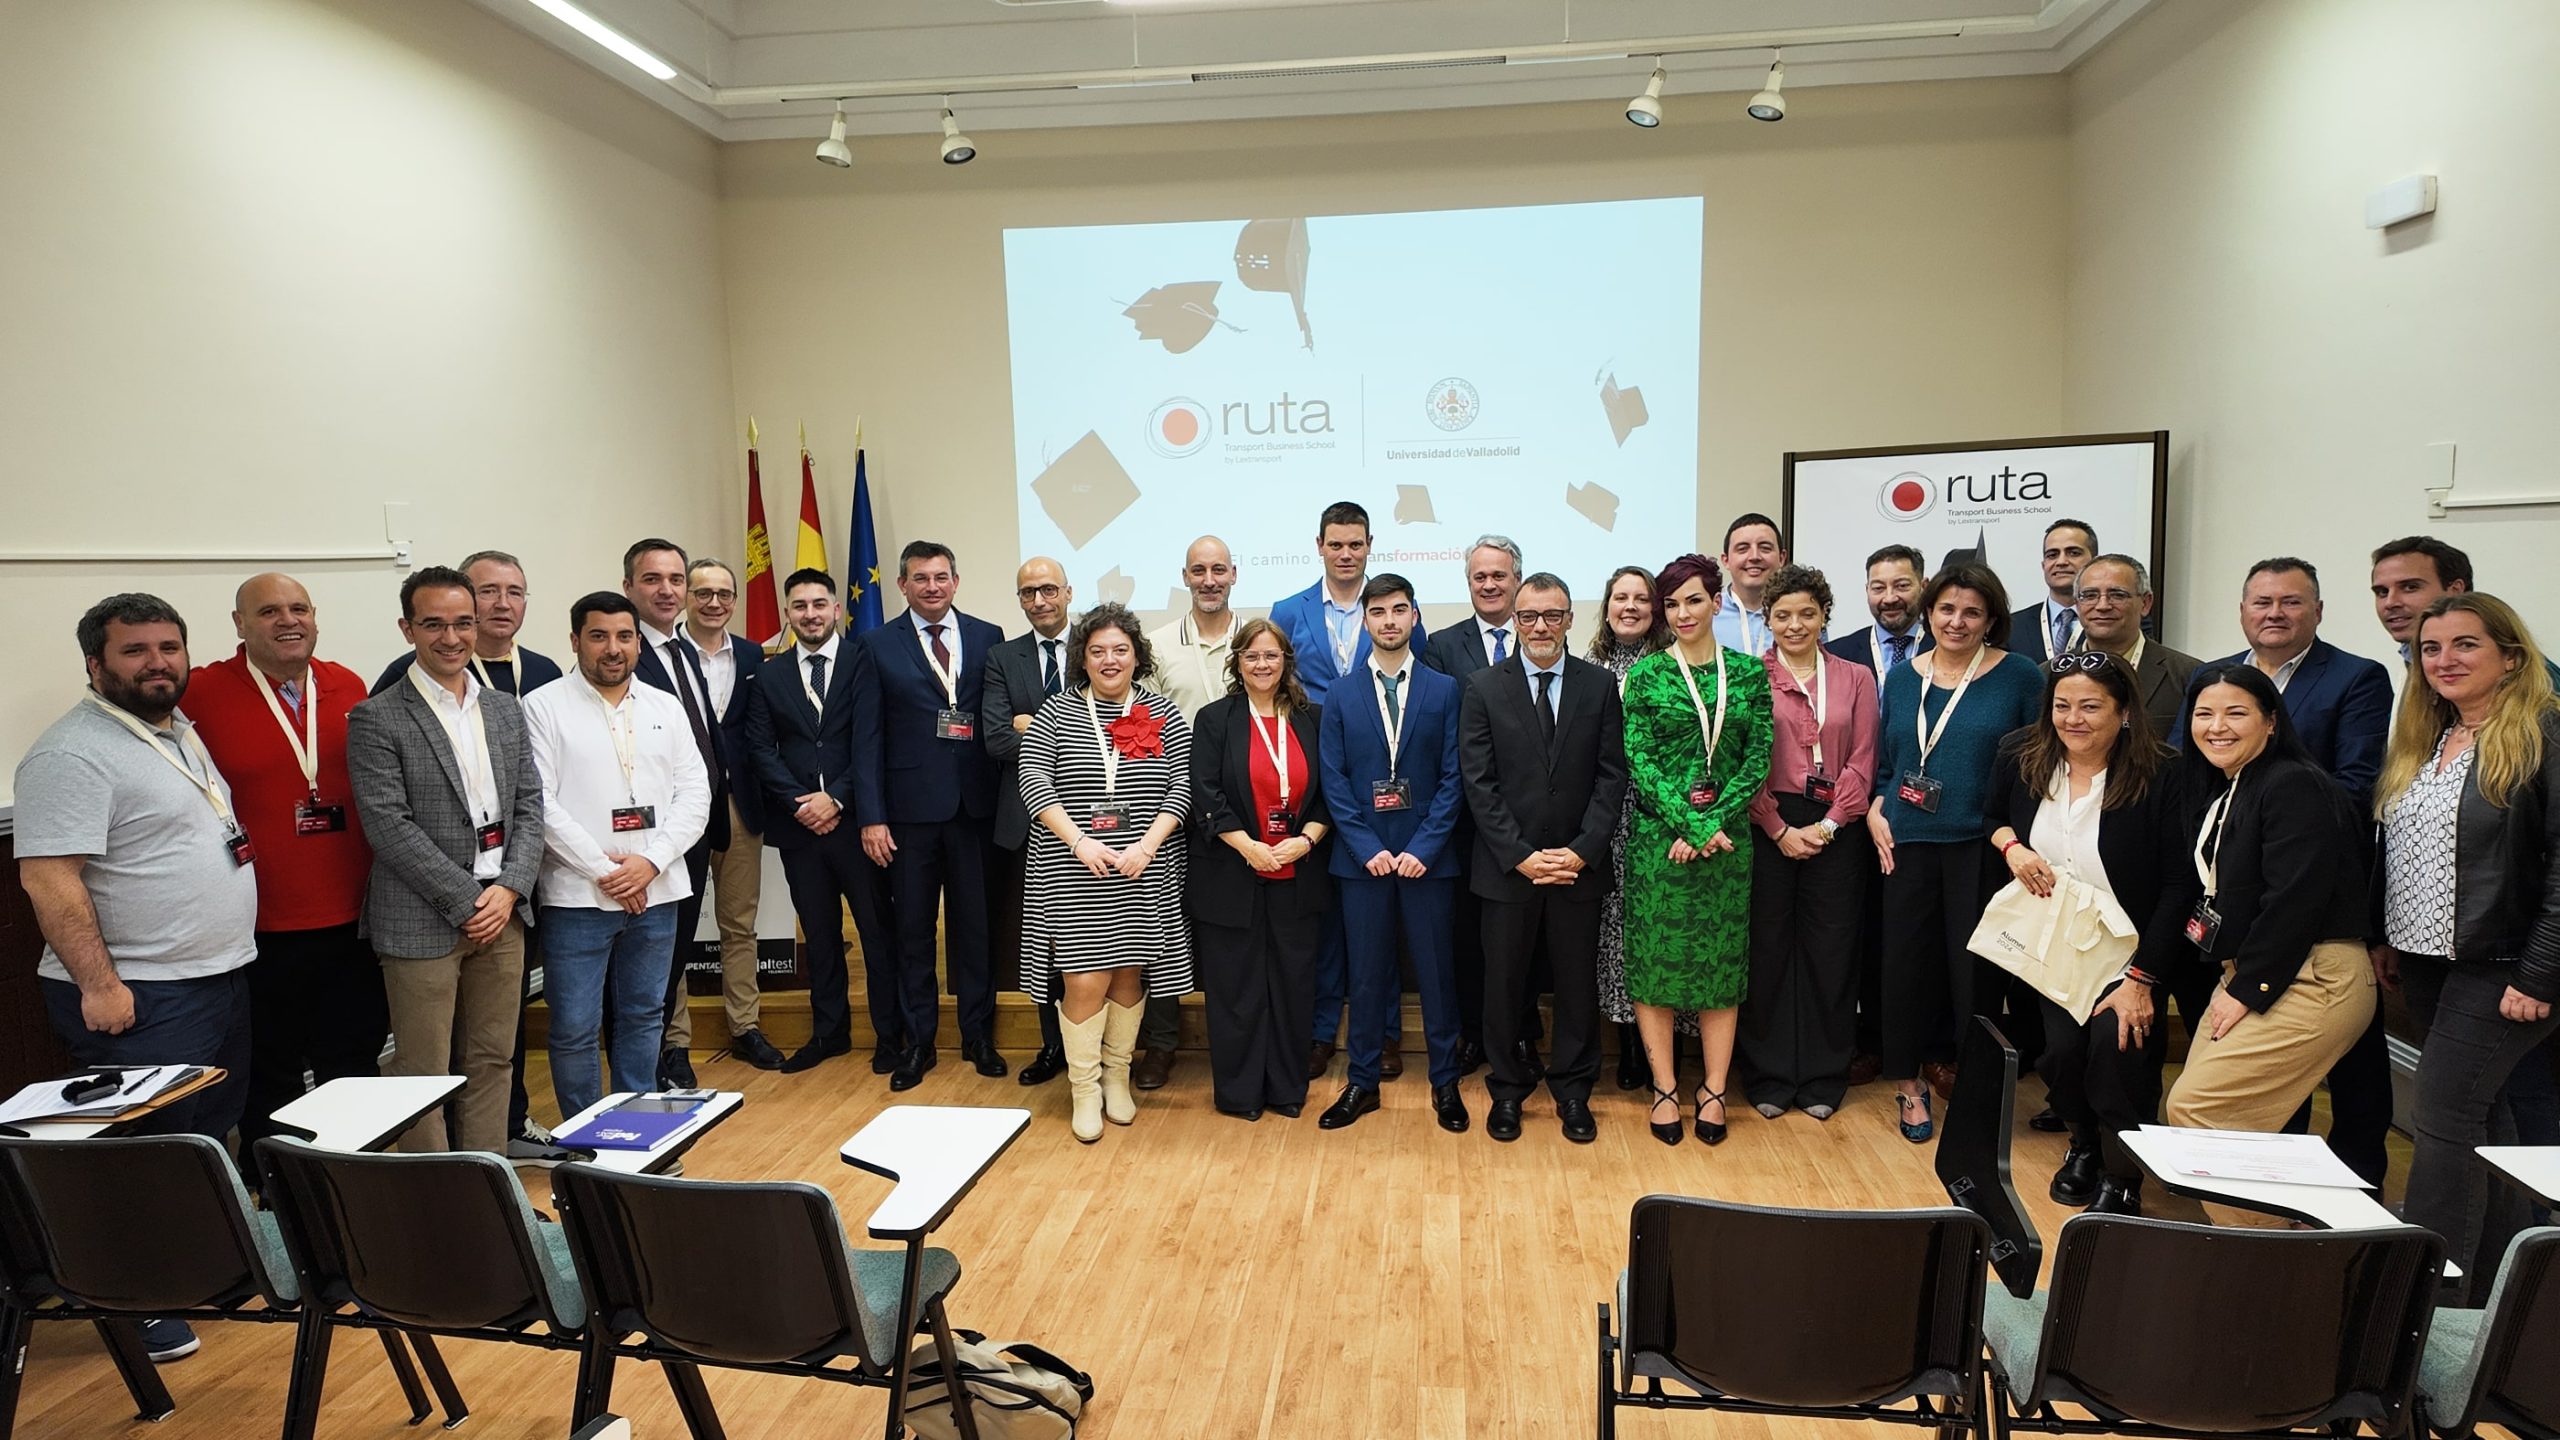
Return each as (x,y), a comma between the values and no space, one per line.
(1944,714)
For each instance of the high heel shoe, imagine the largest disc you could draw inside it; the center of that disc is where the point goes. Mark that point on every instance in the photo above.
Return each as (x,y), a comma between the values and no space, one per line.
(1919,1133)
(1712,1133)
(1667,1134)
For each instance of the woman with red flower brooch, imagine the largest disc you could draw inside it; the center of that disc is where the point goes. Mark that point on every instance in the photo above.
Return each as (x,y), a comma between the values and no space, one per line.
(1106,770)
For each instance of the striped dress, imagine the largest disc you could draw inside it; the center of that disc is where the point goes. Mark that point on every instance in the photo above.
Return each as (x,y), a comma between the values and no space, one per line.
(1080,921)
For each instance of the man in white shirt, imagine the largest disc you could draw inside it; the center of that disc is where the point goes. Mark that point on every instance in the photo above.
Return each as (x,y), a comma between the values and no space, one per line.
(624,796)
(653,580)
(1753,551)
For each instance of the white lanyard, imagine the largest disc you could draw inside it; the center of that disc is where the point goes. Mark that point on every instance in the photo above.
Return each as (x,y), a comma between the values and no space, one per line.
(1274,746)
(1712,731)
(1404,711)
(1928,734)
(949,675)
(306,746)
(1110,753)
(467,763)
(1821,702)
(624,727)
(817,701)
(514,667)
(2209,871)
(200,775)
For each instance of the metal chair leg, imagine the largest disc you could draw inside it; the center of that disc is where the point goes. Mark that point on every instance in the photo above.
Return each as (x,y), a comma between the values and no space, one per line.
(14,1325)
(407,1373)
(448,1394)
(1608,1429)
(124,1345)
(953,1384)
(693,1398)
(595,1376)
(311,1336)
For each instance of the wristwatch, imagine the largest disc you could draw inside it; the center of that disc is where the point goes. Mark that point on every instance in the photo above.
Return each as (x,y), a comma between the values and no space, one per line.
(1827,827)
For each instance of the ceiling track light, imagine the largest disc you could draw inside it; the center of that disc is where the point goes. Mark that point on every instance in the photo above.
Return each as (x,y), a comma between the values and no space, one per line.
(1769,104)
(833,150)
(1646,109)
(957,149)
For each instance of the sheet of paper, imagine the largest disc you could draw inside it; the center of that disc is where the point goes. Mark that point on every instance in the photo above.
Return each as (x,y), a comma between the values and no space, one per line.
(43,1100)
(2248,1155)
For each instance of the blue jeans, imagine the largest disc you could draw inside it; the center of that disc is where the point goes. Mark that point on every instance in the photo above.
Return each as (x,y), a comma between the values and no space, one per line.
(204,1021)
(595,961)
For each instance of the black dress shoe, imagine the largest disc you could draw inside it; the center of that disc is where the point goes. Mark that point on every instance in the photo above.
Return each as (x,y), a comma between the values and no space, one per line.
(1390,1059)
(1353,1103)
(1289,1111)
(982,1053)
(2076,1183)
(885,1055)
(751,1046)
(1046,1066)
(2048,1122)
(1319,1059)
(911,1068)
(1527,1052)
(1253,1114)
(808,1056)
(1470,1057)
(1668,1134)
(2117,1195)
(1711,1131)
(675,1070)
(1451,1107)
(1502,1122)
(1579,1127)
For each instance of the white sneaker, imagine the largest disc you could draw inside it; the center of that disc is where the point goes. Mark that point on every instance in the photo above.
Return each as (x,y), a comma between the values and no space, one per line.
(533,1130)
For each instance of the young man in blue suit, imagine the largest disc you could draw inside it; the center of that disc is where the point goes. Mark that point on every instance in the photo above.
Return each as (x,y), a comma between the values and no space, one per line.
(1325,627)
(927,677)
(1389,747)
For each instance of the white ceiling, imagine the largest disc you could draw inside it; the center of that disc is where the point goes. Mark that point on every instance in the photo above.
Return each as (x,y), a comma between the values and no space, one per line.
(769,69)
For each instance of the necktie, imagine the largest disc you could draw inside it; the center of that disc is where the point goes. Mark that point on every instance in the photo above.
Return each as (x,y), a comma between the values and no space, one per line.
(1501,647)
(1049,666)
(679,669)
(1900,645)
(1547,702)
(941,652)
(818,677)
(1395,712)
(2062,632)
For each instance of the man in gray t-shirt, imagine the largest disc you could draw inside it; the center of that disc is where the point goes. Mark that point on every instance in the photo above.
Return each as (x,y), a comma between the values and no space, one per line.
(139,874)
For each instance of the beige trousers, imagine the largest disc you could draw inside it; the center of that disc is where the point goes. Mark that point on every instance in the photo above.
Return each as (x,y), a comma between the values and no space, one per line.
(456,1015)
(2256,1076)
(737,877)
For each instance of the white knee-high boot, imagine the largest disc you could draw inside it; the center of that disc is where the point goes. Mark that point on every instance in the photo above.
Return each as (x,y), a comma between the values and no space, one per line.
(1083,1042)
(1119,1043)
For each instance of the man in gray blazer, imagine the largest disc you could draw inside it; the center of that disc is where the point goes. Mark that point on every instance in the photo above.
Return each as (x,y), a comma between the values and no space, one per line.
(445,783)
(2115,598)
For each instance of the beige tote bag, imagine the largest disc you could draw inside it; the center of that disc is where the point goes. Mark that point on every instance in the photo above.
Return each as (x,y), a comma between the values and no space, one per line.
(2069,945)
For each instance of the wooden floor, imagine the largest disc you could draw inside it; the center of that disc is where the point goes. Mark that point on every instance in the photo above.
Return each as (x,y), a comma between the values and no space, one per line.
(1218,1278)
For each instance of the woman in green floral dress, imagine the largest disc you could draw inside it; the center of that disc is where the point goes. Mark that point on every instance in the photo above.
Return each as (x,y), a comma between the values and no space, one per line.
(1698,733)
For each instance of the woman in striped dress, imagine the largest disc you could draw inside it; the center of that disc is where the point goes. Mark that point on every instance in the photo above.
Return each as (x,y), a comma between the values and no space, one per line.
(1106,771)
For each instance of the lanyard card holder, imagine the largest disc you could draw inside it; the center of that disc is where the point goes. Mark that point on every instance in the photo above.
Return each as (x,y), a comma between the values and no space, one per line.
(236,840)
(491,836)
(1920,792)
(1702,793)
(1820,788)
(1278,823)
(627,818)
(952,723)
(2204,926)
(317,817)
(1390,795)
(1108,819)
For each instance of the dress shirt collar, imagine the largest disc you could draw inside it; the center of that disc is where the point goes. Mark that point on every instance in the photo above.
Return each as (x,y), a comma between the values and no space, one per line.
(950,623)
(1403,671)
(1535,669)
(658,639)
(801,652)
(444,699)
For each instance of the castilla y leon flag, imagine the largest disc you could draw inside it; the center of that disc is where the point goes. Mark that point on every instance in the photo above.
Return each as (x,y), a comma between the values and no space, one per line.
(764,615)
(811,554)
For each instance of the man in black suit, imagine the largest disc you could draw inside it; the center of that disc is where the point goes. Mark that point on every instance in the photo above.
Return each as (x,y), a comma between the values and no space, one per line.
(2052,625)
(1896,575)
(808,726)
(653,572)
(927,678)
(1488,637)
(1022,673)
(1542,747)
(728,665)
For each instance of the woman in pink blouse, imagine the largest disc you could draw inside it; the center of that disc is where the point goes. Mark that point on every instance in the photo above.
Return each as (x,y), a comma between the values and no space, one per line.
(1799,1023)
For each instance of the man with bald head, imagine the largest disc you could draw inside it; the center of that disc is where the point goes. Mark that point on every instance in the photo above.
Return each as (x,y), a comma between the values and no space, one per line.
(1191,667)
(1022,673)
(274,718)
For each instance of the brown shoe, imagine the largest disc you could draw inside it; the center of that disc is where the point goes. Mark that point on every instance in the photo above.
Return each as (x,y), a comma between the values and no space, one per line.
(1864,1069)
(1941,1077)
(1319,1059)
(1154,1067)
(1390,1063)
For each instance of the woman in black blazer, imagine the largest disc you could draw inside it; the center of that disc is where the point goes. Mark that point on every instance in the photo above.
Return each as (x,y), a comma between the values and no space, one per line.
(2086,792)
(2275,895)
(1258,883)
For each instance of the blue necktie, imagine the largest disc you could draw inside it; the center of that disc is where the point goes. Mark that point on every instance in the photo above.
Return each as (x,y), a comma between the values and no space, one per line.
(818,675)
(2062,632)
(1501,649)
(1901,647)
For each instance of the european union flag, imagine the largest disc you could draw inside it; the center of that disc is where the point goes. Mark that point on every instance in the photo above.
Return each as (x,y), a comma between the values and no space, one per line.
(862,562)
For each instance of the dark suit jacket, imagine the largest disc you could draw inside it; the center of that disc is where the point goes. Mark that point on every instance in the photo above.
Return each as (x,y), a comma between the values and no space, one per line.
(2340,704)
(1854,648)
(539,670)
(1458,652)
(1529,794)
(1222,744)
(2291,872)
(790,748)
(2027,635)
(733,734)
(1011,686)
(652,671)
(1353,741)
(2143,846)
(2163,680)
(924,780)
(409,793)
(1302,616)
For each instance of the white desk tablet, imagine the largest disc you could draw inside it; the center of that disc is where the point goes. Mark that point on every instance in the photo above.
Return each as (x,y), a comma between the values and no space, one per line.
(935,1153)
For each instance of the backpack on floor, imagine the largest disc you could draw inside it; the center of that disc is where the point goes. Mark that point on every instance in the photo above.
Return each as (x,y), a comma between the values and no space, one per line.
(1032,1396)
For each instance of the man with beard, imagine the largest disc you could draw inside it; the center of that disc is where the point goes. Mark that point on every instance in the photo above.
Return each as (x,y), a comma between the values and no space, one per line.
(1896,575)
(625,795)
(1753,551)
(140,878)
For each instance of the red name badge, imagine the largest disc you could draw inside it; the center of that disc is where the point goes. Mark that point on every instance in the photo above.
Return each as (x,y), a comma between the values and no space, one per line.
(1108,820)
(635,817)
(954,725)
(1820,788)
(1702,795)
(1390,794)
(1277,823)
(314,818)
(1920,793)
(491,836)
(237,842)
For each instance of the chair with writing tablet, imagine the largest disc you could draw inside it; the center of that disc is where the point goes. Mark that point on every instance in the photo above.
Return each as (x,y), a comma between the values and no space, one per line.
(2500,1364)
(1973,1153)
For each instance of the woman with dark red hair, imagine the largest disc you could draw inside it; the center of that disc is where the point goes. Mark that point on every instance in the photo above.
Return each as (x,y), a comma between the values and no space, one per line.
(1698,731)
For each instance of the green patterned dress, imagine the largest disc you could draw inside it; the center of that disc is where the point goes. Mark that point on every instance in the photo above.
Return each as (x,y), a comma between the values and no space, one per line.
(1688,931)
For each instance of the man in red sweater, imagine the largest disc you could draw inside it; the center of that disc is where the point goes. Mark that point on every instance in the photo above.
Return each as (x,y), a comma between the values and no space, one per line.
(275,720)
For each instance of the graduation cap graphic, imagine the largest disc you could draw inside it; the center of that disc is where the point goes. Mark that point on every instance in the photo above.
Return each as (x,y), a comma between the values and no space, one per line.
(1413,506)
(1978,554)
(1625,408)
(1593,503)
(1178,315)
(1085,489)
(1271,255)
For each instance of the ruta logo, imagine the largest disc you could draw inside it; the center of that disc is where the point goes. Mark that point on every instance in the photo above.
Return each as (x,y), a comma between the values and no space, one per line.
(1907,496)
(1179,427)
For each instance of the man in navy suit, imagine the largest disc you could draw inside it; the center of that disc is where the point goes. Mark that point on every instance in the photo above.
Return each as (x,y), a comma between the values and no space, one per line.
(1895,576)
(1389,747)
(808,726)
(2051,625)
(2340,704)
(728,665)
(1326,629)
(927,677)
(1487,637)
(653,572)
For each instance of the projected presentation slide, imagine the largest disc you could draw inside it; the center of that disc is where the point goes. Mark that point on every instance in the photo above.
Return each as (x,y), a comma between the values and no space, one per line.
(1530,371)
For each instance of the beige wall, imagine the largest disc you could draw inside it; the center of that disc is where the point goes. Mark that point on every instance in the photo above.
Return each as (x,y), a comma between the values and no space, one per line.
(267,264)
(2222,284)
(1884,267)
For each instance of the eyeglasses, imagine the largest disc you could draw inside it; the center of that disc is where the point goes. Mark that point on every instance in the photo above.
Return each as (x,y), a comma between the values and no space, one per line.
(2112,597)
(1544,619)
(2078,662)
(1040,592)
(501,592)
(434,628)
(709,596)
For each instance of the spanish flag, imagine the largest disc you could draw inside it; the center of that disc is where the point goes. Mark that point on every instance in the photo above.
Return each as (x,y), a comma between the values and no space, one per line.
(764,616)
(812,551)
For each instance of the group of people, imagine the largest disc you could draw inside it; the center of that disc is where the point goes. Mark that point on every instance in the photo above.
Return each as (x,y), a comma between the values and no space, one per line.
(1714,820)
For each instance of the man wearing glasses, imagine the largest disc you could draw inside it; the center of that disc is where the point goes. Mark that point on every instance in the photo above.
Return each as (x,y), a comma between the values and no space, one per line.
(1022,673)
(498,596)
(2114,599)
